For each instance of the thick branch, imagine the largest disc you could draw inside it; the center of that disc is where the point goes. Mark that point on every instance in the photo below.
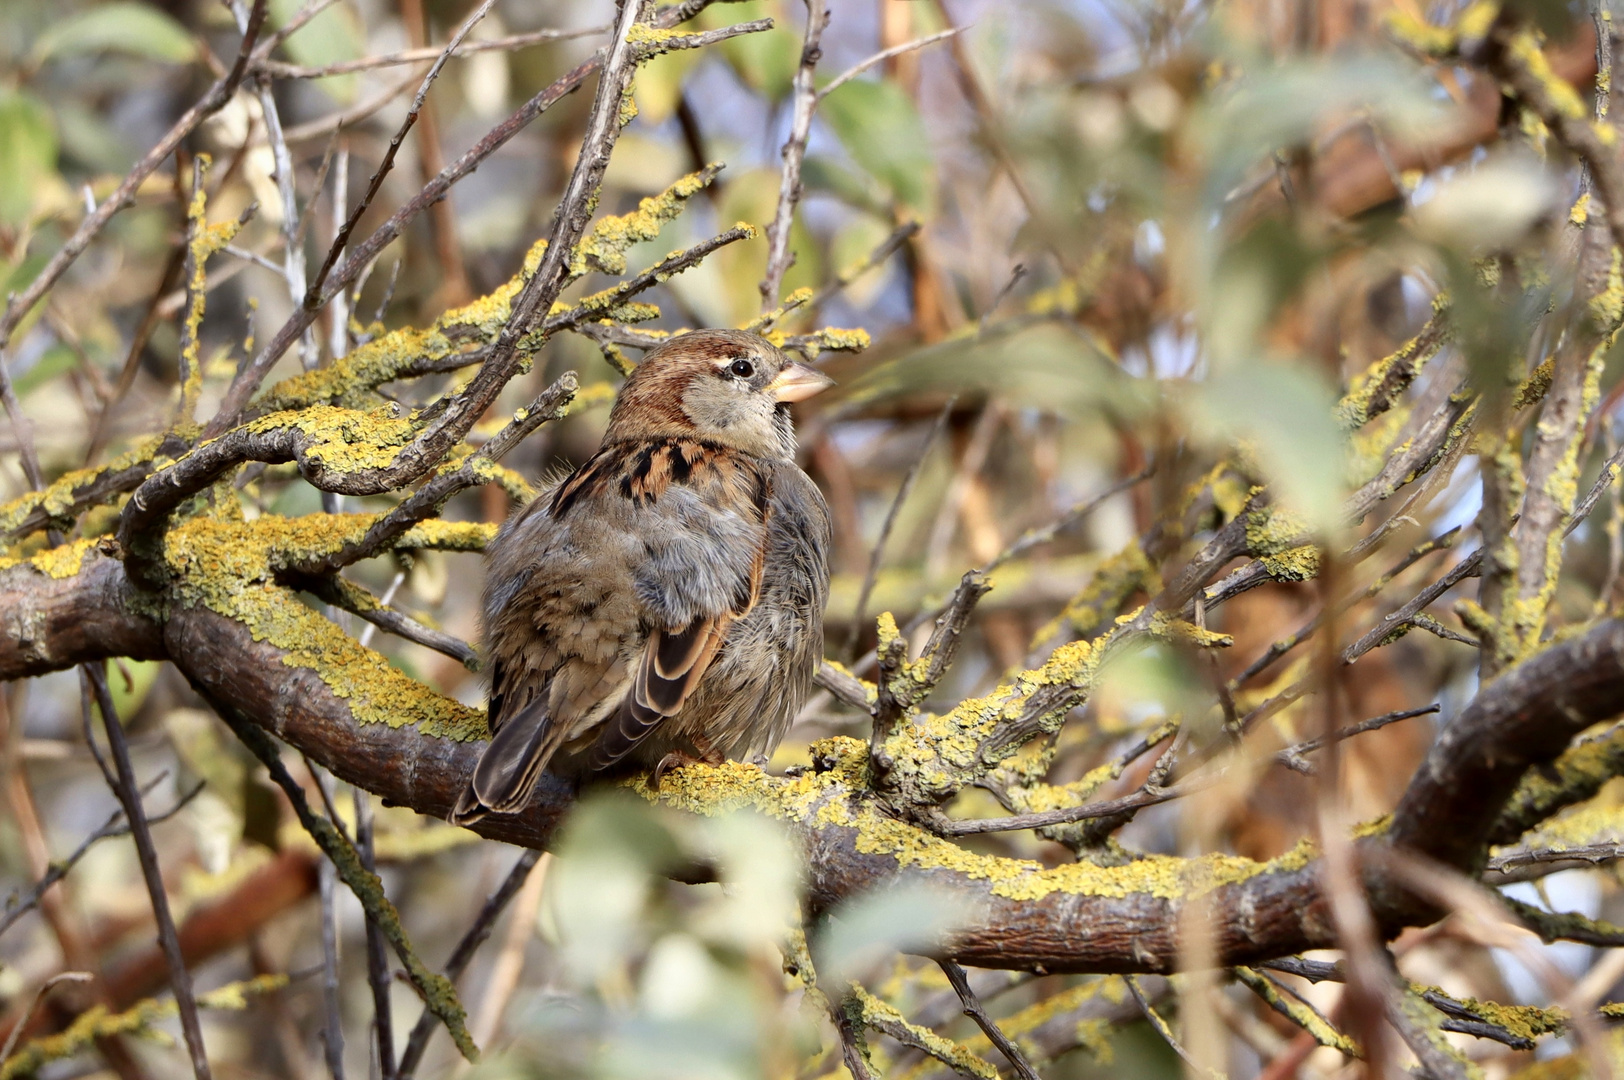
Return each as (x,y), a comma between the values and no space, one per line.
(1070,918)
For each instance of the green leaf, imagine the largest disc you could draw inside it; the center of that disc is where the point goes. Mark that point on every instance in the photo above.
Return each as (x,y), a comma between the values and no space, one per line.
(1280,412)
(764,62)
(56,360)
(880,128)
(334,35)
(123,26)
(27,151)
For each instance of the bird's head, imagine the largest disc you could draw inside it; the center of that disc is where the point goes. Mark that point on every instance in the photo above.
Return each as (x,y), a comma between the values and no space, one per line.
(729,387)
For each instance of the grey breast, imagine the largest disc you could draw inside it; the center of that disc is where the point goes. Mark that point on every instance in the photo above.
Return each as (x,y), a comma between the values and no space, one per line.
(764,673)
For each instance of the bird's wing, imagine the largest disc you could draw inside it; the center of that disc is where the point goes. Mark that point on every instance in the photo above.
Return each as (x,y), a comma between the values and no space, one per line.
(705,549)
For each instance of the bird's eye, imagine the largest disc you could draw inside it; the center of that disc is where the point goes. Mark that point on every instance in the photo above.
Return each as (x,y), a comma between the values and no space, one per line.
(742,368)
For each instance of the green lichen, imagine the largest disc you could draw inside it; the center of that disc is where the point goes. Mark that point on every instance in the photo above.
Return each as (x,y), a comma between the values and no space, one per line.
(230,568)
(462,333)
(1091,610)
(204,240)
(1524,49)
(58,562)
(1575,776)
(761,323)
(604,248)
(1294,564)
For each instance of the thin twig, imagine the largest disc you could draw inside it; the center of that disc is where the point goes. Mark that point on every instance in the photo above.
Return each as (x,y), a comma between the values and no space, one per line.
(1161,1027)
(34,1003)
(1585,853)
(975,1011)
(357,601)
(332,1032)
(1292,757)
(463,954)
(377,955)
(886,248)
(878,553)
(279,70)
(215,99)
(804,94)
(313,297)
(361,255)
(293,255)
(16,908)
(880,57)
(129,795)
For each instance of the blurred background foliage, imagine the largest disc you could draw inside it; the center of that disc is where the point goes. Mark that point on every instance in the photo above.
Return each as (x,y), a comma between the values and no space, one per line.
(1092,235)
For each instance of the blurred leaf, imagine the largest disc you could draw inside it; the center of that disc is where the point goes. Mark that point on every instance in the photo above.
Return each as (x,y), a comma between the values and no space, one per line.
(612,849)
(1050,365)
(336,34)
(27,153)
(822,173)
(128,697)
(1282,411)
(1490,205)
(679,978)
(122,26)
(761,870)
(870,928)
(765,62)
(853,243)
(878,125)
(1282,104)
(1255,276)
(658,87)
(56,360)
(88,139)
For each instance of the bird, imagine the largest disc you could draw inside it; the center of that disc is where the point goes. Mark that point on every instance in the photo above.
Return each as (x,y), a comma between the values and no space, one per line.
(663,604)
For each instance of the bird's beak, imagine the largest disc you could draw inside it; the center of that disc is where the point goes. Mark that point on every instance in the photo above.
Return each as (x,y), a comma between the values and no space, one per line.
(797,382)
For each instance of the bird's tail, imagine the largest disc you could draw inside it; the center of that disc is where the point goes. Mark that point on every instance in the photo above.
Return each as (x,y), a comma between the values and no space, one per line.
(507,772)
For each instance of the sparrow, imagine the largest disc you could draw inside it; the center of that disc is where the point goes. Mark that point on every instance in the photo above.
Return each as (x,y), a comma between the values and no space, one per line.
(664,603)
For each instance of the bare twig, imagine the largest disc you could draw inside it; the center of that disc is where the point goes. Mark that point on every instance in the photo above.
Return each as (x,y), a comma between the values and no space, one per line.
(362,255)
(878,552)
(313,297)
(332,1032)
(1292,757)
(804,94)
(475,936)
(215,99)
(129,796)
(17,907)
(887,247)
(377,955)
(512,42)
(1161,1026)
(34,1003)
(880,57)
(975,1011)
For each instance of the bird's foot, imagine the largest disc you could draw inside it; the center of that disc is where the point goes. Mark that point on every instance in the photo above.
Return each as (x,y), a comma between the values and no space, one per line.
(676,759)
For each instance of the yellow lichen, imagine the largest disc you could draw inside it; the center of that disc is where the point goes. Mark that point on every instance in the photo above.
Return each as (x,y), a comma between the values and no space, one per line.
(230,567)
(98,1023)
(57,562)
